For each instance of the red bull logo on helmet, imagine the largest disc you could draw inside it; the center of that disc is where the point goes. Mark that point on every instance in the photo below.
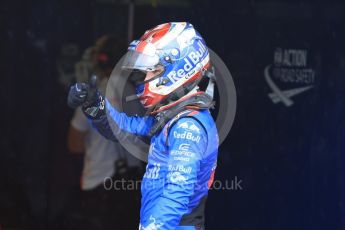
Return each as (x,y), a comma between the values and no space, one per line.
(190,64)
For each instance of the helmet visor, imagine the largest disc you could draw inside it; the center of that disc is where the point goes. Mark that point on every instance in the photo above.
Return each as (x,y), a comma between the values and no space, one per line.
(139,61)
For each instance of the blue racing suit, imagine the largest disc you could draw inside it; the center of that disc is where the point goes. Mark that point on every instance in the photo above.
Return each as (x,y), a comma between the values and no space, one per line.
(181,164)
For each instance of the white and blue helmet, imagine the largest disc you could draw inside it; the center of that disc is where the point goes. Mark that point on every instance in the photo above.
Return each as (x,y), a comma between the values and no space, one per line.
(178,55)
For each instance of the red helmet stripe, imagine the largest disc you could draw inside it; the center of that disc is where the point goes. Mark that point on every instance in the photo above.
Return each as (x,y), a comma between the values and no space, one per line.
(141,46)
(160,33)
(156,34)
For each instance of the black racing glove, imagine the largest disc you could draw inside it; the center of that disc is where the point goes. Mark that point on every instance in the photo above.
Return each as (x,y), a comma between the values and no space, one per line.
(77,95)
(87,96)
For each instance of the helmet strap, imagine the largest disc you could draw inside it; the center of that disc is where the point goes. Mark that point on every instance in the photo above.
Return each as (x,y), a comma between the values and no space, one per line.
(174,104)
(196,101)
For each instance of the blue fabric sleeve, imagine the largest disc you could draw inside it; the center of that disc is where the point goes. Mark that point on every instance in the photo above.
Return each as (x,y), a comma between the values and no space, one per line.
(131,124)
(187,142)
(119,125)
(101,124)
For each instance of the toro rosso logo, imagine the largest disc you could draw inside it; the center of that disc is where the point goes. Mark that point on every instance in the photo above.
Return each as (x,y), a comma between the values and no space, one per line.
(152,226)
(176,177)
(189,125)
(191,61)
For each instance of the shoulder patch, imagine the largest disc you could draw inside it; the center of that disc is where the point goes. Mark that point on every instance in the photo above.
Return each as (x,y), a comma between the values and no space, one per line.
(187,127)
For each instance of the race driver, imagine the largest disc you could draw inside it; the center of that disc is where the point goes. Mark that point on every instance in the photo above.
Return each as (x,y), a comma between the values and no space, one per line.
(172,58)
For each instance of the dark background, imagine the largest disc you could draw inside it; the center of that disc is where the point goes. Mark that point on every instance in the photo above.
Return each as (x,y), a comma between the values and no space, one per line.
(291,159)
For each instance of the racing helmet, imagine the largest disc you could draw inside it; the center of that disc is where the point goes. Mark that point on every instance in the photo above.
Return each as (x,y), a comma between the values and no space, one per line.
(176,56)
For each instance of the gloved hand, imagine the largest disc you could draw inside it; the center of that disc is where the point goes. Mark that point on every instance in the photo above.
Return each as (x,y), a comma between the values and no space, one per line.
(77,95)
(87,96)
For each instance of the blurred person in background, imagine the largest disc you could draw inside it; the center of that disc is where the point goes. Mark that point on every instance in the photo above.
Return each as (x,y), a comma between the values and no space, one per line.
(103,207)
